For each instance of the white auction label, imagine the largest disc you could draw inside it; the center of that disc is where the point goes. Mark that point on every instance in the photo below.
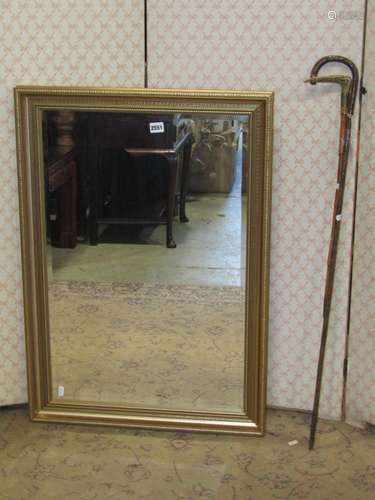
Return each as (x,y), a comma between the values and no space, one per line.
(156,127)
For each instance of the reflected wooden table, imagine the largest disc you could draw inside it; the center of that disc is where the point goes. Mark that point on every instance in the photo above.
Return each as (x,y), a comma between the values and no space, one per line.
(178,173)
(171,157)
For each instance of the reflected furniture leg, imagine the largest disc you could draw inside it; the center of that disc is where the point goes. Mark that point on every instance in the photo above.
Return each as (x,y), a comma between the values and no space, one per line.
(185,180)
(172,179)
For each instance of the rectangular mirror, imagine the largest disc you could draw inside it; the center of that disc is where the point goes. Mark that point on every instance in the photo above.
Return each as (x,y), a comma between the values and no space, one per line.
(145,218)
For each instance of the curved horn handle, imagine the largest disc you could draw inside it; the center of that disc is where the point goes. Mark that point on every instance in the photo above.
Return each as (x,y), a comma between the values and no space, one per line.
(347,62)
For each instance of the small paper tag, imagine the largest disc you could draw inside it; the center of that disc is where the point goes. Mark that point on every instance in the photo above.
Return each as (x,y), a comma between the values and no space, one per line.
(293,443)
(60,391)
(156,127)
(338,217)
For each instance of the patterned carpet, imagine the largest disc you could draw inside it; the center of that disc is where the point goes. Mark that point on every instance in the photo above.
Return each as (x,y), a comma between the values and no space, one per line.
(161,346)
(61,462)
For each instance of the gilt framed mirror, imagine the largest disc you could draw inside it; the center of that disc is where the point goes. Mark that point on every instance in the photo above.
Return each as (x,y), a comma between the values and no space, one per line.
(145,224)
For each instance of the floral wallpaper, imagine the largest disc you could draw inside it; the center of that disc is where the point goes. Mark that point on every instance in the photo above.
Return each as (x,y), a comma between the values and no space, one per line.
(239,44)
(69,42)
(360,404)
(272,46)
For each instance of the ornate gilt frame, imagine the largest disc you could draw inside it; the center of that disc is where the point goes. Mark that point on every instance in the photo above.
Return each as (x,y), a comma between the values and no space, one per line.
(30,102)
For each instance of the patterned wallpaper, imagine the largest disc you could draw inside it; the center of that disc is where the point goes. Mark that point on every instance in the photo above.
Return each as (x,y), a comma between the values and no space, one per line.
(361,373)
(70,42)
(272,46)
(224,44)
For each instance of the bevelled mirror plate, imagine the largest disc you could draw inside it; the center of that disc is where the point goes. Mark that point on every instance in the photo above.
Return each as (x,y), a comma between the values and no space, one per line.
(145,221)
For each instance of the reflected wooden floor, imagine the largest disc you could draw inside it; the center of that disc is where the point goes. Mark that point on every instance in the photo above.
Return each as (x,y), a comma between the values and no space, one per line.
(210,250)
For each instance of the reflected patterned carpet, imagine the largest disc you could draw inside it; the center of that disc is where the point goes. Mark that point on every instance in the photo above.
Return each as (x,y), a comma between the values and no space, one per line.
(159,346)
(61,462)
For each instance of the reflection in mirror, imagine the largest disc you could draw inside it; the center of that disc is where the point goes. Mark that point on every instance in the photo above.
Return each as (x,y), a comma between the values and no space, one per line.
(146,233)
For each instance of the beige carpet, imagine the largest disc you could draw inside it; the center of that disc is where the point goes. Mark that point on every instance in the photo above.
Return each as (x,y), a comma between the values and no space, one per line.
(67,462)
(162,346)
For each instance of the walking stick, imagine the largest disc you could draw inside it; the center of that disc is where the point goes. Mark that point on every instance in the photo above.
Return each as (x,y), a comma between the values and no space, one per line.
(349,86)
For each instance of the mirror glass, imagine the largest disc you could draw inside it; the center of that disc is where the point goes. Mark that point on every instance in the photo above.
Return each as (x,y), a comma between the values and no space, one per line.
(146,246)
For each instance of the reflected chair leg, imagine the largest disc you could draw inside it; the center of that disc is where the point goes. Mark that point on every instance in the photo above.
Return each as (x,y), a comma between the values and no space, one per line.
(185,181)
(172,179)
